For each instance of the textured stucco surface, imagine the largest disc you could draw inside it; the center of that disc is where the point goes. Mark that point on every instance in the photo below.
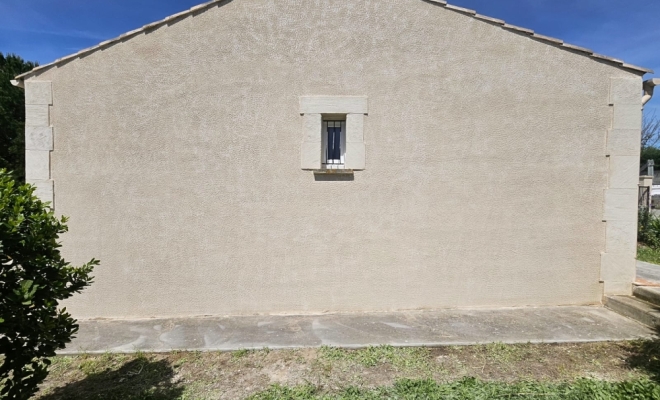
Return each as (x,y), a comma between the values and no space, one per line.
(177,157)
(620,205)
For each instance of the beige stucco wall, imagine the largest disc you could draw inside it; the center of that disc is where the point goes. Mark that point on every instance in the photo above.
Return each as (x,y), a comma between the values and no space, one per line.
(177,157)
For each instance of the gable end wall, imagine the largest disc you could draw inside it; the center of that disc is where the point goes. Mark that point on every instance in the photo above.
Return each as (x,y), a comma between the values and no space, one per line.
(177,155)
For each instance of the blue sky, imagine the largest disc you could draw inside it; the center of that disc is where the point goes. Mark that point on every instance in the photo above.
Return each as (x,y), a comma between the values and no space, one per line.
(44,30)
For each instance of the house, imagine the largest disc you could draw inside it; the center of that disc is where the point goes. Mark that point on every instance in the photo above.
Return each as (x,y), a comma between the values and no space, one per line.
(294,156)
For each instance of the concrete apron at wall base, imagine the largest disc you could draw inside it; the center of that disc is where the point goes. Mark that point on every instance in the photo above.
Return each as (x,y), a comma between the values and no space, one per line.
(413,328)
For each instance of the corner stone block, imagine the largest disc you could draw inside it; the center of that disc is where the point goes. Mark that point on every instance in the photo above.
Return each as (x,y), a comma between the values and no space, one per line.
(623,142)
(37,165)
(44,190)
(335,105)
(38,93)
(626,91)
(310,155)
(312,126)
(621,237)
(621,204)
(624,172)
(38,138)
(617,288)
(355,156)
(627,116)
(355,128)
(37,115)
(617,268)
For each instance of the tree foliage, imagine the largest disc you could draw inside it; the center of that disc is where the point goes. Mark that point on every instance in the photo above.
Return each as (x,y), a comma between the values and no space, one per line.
(34,278)
(650,139)
(650,130)
(12,115)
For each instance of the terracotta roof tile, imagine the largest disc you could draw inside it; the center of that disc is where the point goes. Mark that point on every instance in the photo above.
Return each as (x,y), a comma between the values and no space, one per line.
(606,58)
(547,39)
(578,48)
(518,29)
(460,9)
(489,19)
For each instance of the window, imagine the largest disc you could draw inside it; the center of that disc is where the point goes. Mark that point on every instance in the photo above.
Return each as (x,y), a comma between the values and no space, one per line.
(334,144)
(333,133)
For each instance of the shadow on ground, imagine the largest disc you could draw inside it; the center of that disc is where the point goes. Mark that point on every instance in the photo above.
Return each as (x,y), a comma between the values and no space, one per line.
(645,356)
(142,379)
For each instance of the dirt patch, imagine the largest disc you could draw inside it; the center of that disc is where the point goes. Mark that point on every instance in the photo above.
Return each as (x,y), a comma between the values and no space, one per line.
(237,375)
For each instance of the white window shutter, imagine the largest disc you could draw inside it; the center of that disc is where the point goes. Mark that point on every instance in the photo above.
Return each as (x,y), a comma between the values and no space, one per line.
(310,149)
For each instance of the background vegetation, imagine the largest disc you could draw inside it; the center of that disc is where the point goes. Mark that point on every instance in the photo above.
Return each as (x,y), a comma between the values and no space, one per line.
(12,115)
(650,139)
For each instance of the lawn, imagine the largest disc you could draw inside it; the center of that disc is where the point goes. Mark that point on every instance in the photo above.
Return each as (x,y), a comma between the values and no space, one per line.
(648,254)
(621,370)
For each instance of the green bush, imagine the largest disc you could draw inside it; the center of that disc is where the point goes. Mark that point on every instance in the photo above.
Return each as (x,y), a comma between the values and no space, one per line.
(34,278)
(648,228)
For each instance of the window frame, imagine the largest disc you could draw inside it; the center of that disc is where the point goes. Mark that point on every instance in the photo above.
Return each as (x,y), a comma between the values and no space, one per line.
(314,110)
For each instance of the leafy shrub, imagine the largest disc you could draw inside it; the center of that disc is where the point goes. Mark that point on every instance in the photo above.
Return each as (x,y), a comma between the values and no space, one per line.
(33,279)
(648,228)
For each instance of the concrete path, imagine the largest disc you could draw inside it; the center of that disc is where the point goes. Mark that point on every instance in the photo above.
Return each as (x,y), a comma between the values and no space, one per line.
(648,272)
(447,327)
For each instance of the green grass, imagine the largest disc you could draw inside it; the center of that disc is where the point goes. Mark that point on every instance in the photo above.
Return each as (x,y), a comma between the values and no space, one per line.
(420,359)
(502,353)
(240,353)
(601,371)
(401,358)
(648,254)
(470,388)
(114,377)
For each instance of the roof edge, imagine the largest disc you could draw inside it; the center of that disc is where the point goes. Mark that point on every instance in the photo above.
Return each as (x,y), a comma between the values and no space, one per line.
(443,3)
(122,37)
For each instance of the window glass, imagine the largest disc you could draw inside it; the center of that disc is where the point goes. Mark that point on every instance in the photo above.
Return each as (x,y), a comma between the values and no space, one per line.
(334,142)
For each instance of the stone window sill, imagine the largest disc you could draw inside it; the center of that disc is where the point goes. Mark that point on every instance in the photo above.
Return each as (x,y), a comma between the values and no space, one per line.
(334,171)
